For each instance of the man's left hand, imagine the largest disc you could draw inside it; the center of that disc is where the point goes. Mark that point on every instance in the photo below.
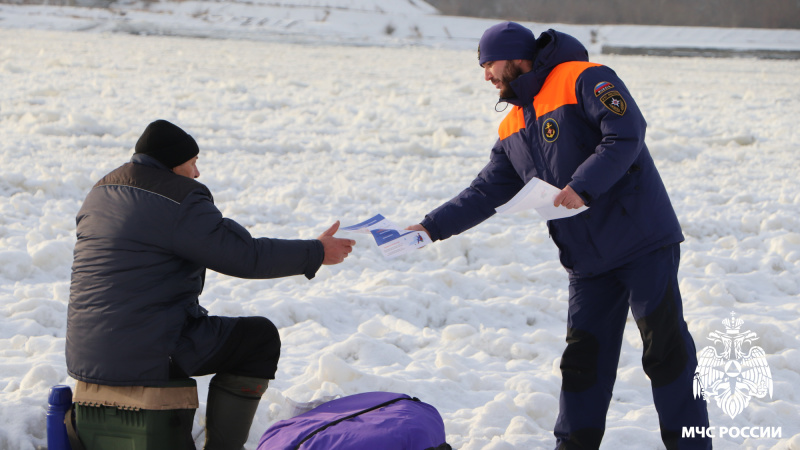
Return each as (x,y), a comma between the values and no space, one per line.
(568,198)
(336,249)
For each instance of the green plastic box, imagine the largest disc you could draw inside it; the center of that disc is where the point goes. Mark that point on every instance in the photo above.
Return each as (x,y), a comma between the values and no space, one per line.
(116,428)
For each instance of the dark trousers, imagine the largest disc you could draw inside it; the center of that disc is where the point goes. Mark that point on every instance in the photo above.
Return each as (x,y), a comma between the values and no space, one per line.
(252,349)
(598,309)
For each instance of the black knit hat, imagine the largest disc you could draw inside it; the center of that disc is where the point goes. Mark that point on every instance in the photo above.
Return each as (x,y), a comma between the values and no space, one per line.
(167,143)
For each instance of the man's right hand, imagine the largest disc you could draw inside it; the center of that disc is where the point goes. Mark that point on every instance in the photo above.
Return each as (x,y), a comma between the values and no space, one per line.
(336,249)
(419,227)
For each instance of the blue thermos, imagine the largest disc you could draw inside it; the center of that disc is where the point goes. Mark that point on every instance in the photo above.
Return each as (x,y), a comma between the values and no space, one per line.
(60,401)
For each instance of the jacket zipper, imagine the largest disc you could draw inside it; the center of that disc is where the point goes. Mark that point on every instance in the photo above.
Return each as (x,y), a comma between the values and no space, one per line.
(355,414)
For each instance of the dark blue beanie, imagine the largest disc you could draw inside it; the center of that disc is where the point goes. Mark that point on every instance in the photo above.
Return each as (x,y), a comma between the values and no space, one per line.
(506,41)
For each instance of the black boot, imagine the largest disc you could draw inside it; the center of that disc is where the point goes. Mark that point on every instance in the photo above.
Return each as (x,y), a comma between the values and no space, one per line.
(232,404)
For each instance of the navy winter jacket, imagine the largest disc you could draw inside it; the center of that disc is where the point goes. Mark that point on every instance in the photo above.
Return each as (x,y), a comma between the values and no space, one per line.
(145,237)
(573,123)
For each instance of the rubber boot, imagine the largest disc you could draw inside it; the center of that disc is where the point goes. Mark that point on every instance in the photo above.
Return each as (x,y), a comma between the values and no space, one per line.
(232,404)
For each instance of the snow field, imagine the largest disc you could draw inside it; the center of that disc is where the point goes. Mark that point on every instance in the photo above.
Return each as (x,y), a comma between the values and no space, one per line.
(296,137)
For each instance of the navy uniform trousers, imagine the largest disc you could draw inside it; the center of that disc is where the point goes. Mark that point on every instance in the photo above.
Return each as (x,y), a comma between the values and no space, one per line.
(598,310)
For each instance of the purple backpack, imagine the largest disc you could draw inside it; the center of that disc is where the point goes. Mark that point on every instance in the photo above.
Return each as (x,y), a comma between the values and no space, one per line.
(365,421)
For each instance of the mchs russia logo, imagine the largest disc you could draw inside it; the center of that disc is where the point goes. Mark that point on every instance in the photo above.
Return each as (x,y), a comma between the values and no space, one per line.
(732,371)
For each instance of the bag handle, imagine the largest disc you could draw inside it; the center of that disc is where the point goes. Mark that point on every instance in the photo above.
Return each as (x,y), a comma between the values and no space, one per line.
(74,440)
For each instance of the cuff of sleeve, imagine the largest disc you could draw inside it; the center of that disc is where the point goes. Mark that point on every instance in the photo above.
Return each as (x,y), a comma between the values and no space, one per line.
(587,199)
(316,253)
(433,230)
(579,189)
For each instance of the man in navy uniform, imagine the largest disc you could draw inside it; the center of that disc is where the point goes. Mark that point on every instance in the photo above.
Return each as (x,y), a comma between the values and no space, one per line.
(575,125)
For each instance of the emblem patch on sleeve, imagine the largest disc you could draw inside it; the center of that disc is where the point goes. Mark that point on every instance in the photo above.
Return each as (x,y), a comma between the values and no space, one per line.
(614,102)
(602,87)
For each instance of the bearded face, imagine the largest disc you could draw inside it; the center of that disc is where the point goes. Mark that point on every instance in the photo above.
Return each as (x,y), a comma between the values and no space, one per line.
(511,72)
(501,74)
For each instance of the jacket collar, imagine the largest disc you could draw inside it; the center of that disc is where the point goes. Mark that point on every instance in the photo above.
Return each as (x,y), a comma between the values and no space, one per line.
(147,160)
(553,48)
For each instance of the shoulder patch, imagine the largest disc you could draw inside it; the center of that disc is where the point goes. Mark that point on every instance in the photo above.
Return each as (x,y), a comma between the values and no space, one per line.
(614,102)
(602,87)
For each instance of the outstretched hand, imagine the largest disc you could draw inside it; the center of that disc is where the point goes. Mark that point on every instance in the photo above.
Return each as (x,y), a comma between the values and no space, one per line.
(336,249)
(419,227)
(568,198)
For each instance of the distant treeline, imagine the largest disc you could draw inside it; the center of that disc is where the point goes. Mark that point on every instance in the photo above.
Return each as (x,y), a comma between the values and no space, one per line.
(707,13)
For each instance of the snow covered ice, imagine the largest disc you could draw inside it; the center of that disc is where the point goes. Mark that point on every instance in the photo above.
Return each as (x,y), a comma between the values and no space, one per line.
(295,136)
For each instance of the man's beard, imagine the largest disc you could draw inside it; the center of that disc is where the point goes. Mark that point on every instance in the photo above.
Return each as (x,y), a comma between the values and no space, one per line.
(510,73)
